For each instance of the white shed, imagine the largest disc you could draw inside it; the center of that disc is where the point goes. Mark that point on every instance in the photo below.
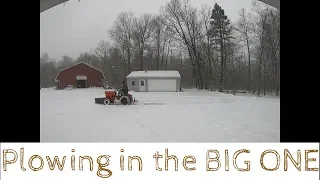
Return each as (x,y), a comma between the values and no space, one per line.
(154,81)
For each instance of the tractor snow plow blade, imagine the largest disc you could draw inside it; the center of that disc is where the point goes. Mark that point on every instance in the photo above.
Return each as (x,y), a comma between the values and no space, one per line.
(105,101)
(99,100)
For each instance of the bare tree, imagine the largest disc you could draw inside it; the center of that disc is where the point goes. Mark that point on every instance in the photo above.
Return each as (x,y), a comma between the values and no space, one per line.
(166,41)
(141,34)
(65,62)
(116,67)
(207,42)
(158,33)
(265,49)
(183,20)
(275,49)
(243,28)
(102,52)
(47,70)
(89,58)
(259,29)
(121,33)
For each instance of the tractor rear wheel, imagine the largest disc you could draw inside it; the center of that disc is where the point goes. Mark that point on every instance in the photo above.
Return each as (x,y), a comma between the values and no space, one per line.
(125,100)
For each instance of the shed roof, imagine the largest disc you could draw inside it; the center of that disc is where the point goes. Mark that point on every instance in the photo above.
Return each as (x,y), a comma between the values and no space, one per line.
(79,64)
(154,74)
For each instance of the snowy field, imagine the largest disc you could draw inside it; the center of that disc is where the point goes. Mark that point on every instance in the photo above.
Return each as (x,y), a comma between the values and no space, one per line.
(190,116)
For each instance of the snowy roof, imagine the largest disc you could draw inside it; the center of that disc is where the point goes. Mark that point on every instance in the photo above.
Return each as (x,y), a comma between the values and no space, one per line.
(77,65)
(273,3)
(154,74)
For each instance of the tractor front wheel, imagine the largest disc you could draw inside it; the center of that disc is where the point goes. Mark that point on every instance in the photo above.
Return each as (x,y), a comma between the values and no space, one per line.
(106,102)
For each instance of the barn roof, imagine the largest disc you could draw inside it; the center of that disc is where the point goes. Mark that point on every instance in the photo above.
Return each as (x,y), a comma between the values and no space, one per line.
(154,74)
(78,64)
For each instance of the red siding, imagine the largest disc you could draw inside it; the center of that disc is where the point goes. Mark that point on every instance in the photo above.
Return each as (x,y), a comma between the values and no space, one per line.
(68,76)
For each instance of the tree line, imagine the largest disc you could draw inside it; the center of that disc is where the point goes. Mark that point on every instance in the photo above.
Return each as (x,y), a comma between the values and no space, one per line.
(208,50)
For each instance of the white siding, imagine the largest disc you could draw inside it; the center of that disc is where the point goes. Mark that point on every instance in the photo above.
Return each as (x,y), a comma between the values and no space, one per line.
(162,85)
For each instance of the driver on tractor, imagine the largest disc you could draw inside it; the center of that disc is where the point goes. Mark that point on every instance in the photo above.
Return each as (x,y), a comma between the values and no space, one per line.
(124,89)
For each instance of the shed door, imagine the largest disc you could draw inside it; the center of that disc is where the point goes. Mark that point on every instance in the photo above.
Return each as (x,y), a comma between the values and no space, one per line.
(162,85)
(142,85)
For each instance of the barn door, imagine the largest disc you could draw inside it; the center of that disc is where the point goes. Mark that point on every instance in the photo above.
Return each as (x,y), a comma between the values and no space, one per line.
(81,81)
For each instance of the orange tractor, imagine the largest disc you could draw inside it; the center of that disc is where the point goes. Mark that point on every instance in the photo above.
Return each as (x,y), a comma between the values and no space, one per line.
(112,96)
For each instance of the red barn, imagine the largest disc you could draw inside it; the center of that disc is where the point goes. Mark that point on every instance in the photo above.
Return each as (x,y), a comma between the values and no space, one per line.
(81,75)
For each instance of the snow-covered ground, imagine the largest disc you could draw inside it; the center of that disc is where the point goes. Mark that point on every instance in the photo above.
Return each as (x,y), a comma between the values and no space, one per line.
(190,116)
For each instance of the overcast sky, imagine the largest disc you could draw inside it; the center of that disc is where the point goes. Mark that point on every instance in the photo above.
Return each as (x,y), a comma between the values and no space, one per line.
(78,26)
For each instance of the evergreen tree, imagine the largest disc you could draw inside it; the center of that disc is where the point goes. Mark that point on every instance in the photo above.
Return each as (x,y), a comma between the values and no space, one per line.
(220,32)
